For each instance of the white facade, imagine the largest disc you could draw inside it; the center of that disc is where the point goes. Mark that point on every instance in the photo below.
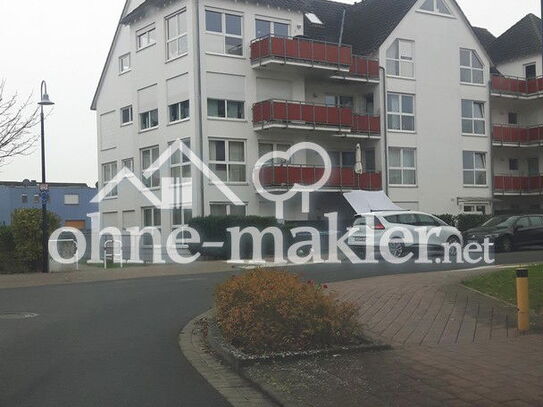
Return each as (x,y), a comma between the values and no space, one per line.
(434,182)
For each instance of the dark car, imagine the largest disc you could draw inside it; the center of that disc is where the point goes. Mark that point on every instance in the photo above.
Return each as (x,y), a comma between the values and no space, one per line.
(509,232)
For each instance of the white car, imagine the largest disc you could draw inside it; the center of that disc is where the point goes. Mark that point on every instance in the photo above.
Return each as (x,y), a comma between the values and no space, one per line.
(402,222)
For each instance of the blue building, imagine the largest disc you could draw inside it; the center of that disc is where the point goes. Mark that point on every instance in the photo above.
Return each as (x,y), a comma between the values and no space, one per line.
(71,202)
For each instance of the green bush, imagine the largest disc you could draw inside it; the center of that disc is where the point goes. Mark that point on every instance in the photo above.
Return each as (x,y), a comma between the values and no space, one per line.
(447,218)
(26,225)
(214,229)
(272,311)
(466,222)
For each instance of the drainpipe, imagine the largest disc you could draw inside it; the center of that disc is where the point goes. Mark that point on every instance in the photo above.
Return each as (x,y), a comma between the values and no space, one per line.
(200,129)
(385,133)
(542,29)
(491,150)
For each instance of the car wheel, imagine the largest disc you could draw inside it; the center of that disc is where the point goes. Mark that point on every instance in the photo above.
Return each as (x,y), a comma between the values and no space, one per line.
(506,244)
(397,249)
(453,242)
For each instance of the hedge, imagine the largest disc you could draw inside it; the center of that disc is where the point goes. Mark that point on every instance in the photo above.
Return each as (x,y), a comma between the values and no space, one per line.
(464,221)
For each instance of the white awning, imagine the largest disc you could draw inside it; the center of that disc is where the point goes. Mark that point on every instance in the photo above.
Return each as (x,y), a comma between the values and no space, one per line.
(370,201)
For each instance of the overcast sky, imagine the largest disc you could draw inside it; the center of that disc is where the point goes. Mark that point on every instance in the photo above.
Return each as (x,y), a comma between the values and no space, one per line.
(66,43)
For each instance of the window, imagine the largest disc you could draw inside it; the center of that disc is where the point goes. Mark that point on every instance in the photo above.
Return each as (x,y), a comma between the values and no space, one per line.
(151,218)
(146,37)
(126,115)
(474,168)
(265,28)
(339,101)
(400,59)
(475,209)
(109,170)
(128,163)
(227,160)
(180,165)
(369,161)
(265,148)
(471,67)
(436,6)
(473,117)
(370,104)
(513,164)
(536,221)
(224,209)
(181,216)
(71,199)
(402,167)
(343,159)
(179,111)
(401,112)
(530,71)
(313,19)
(512,118)
(229,109)
(24,198)
(427,220)
(149,120)
(523,222)
(148,158)
(37,199)
(176,35)
(124,63)
(229,26)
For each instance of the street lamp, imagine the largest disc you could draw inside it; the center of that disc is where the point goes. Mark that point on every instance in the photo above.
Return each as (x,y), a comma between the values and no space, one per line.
(45,101)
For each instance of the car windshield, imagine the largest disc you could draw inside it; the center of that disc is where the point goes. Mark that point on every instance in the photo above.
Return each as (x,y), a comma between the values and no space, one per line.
(500,221)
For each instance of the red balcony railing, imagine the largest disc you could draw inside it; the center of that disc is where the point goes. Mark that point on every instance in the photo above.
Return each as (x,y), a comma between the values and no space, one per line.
(292,114)
(512,85)
(364,67)
(286,175)
(301,50)
(511,184)
(511,134)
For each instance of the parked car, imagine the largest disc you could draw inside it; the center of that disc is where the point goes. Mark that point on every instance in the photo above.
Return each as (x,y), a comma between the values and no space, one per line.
(509,232)
(411,221)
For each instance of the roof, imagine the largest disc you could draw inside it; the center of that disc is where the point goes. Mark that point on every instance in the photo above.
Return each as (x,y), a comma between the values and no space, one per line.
(34,183)
(486,38)
(522,40)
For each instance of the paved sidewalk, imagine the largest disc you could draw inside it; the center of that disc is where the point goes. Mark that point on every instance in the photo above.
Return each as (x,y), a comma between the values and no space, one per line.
(452,347)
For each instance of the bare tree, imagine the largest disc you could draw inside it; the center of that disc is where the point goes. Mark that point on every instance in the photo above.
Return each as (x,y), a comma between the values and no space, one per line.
(17,119)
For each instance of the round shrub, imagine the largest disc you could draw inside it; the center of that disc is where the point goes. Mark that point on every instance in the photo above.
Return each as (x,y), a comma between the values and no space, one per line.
(273,311)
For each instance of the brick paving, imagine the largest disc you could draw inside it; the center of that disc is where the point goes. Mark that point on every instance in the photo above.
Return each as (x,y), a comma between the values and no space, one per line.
(452,347)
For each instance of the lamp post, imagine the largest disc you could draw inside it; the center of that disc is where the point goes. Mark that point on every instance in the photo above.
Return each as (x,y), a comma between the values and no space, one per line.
(45,101)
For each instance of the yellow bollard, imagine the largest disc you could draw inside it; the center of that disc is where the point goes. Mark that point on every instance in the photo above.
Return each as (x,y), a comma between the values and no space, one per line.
(523,300)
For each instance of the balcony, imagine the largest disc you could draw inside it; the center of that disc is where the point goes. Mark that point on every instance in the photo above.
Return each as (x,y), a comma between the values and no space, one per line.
(284,176)
(362,69)
(518,185)
(312,116)
(515,87)
(516,136)
(300,52)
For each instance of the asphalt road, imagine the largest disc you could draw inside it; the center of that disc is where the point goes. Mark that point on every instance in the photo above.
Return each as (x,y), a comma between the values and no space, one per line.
(115,343)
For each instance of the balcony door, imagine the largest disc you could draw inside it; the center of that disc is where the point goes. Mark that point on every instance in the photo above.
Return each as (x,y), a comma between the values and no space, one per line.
(533,167)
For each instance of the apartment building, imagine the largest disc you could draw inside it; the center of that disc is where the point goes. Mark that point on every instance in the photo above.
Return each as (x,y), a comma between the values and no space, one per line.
(517,117)
(407,80)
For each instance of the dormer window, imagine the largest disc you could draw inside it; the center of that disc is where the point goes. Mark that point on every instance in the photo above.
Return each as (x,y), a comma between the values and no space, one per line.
(313,19)
(436,6)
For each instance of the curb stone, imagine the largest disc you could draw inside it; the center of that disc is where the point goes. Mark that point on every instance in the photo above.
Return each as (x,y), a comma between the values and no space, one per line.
(237,390)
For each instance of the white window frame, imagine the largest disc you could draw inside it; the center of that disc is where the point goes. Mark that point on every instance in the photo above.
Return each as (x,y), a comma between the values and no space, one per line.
(223,32)
(226,102)
(471,68)
(275,147)
(122,68)
(131,110)
(228,207)
(178,106)
(183,163)
(24,198)
(75,202)
(402,166)
(154,155)
(476,207)
(158,226)
(128,163)
(149,114)
(402,114)
(525,66)
(109,171)
(475,170)
(339,101)
(402,59)
(272,23)
(227,161)
(436,10)
(474,119)
(149,32)
(178,37)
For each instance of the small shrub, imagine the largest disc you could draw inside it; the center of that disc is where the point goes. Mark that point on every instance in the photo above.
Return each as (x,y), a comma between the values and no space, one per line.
(448,219)
(466,222)
(214,229)
(27,235)
(271,311)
